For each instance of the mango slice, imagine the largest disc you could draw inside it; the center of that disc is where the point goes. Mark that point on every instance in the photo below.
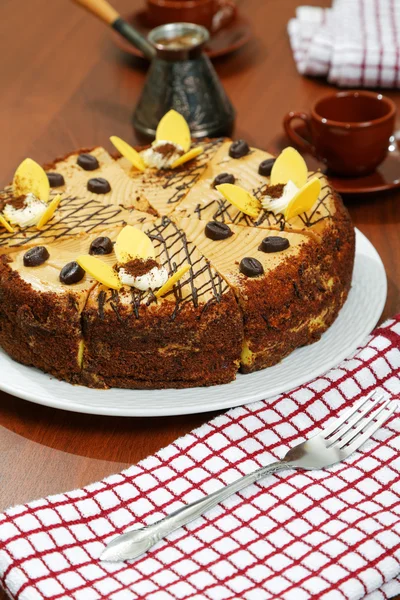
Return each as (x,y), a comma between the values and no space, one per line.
(49,212)
(168,285)
(173,128)
(133,243)
(240,198)
(304,199)
(193,153)
(289,165)
(6,224)
(31,178)
(128,152)
(100,271)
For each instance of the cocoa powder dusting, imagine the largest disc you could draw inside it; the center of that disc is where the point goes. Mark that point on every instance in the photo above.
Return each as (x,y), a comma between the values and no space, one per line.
(138,267)
(167,149)
(274,191)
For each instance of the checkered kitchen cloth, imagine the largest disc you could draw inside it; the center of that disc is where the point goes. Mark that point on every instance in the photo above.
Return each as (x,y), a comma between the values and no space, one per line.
(331,534)
(356,43)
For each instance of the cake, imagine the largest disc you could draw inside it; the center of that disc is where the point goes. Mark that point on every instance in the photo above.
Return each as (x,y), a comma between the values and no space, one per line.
(176,265)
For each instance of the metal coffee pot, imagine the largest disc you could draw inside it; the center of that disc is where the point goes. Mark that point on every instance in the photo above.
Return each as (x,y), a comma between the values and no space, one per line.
(180,76)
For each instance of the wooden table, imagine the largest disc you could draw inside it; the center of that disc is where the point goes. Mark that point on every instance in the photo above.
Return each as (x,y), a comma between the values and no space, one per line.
(65,85)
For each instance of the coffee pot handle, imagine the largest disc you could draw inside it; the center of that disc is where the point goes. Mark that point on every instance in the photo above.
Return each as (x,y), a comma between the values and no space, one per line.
(295,137)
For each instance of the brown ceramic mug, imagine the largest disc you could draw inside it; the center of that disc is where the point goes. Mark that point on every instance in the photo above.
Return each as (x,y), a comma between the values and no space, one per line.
(212,14)
(349,131)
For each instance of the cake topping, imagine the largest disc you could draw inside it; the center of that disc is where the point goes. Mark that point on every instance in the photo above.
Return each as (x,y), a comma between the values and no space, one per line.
(274,243)
(4,223)
(101,245)
(55,180)
(36,256)
(266,166)
(143,274)
(239,149)
(88,162)
(162,154)
(278,196)
(240,198)
(251,267)
(128,152)
(71,273)
(49,212)
(193,153)
(223,178)
(289,166)
(30,178)
(174,128)
(172,280)
(99,270)
(24,210)
(98,185)
(304,200)
(133,243)
(217,231)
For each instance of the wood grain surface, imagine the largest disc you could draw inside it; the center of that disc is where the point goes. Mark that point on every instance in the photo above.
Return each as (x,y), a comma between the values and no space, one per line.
(65,85)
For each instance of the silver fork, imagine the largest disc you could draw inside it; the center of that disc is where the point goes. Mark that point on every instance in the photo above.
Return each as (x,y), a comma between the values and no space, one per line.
(332,445)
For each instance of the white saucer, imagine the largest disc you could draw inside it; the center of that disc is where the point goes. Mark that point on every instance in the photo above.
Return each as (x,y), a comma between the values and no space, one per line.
(356,320)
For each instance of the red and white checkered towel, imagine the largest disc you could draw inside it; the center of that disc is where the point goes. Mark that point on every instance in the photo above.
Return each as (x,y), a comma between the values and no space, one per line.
(356,43)
(331,534)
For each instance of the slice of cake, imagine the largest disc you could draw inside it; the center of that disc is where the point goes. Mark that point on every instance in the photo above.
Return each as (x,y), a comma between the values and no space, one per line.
(190,336)
(42,295)
(287,290)
(165,188)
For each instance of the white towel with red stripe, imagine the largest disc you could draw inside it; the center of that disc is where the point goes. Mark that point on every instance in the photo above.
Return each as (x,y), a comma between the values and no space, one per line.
(332,534)
(355,43)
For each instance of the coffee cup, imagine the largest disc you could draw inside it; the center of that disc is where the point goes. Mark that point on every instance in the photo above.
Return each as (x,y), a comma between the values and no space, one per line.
(349,131)
(212,14)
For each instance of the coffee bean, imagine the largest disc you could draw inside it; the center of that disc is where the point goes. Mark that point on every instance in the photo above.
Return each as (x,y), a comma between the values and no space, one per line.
(36,256)
(265,167)
(101,245)
(71,273)
(223,178)
(238,149)
(274,243)
(98,185)
(251,267)
(88,162)
(217,231)
(55,180)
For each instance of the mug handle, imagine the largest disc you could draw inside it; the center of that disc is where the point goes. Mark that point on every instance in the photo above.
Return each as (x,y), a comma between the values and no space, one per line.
(294,137)
(226,12)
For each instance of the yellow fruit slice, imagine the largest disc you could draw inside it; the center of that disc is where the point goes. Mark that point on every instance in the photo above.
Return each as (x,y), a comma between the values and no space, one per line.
(6,224)
(100,271)
(240,198)
(133,243)
(128,152)
(289,165)
(168,285)
(304,199)
(188,156)
(173,128)
(49,212)
(30,178)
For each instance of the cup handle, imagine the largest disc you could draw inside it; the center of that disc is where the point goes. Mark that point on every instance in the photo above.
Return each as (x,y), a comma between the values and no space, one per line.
(294,137)
(226,12)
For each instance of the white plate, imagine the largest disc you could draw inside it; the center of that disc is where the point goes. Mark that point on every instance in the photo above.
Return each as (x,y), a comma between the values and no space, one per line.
(356,320)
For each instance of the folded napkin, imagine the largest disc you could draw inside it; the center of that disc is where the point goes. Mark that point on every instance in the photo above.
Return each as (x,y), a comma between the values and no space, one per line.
(331,534)
(356,43)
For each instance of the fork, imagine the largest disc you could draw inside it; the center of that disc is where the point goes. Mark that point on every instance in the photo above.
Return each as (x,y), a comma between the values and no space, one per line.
(332,445)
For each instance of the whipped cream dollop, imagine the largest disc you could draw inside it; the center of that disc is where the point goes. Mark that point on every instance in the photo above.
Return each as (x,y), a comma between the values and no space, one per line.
(278,205)
(162,154)
(28,214)
(151,280)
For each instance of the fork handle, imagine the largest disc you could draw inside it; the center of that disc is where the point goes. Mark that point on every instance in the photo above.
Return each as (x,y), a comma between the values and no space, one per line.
(192,511)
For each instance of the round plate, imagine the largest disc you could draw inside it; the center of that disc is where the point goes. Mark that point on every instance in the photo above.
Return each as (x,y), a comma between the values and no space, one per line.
(355,321)
(229,38)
